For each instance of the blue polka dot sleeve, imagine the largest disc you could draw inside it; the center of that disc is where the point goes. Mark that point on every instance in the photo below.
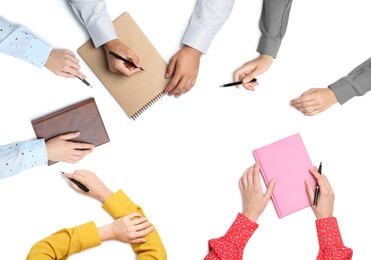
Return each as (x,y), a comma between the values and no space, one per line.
(19,42)
(17,157)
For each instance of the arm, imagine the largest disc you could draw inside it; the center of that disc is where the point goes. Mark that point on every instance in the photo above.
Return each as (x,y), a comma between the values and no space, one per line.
(66,242)
(118,205)
(206,20)
(17,157)
(329,238)
(330,242)
(273,24)
(356,83)
(254,201)
(232,244)
(317,100)
(94,16)
(19,42)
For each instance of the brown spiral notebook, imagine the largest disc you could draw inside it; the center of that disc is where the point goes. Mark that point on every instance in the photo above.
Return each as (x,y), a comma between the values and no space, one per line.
(138,92)
(83,117)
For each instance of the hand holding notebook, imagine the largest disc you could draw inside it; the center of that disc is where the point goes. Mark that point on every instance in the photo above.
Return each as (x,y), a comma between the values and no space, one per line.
(288,162)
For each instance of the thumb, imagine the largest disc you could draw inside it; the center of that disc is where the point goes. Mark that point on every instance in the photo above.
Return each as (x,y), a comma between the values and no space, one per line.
(310,192)
(270,188)
(69,136)
(170,69)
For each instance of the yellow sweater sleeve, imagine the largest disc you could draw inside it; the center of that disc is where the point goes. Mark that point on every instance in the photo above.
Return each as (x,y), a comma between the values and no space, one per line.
(66,242)
(119,205)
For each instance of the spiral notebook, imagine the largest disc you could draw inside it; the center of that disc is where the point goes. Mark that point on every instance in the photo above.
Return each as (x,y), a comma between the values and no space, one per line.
(138,92)
(83,116)
(288,162)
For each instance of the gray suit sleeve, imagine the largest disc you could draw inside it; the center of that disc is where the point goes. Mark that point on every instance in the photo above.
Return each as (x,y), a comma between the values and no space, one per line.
(356,83)
(94,16)
(206,20)
(273,24)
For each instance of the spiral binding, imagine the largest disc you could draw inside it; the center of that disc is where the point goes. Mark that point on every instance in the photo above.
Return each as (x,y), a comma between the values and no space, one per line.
(148,105)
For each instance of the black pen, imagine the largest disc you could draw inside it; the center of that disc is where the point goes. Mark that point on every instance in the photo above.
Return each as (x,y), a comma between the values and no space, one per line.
(236,83)
(85,82)
(123,59)
(317,187)
(81,186)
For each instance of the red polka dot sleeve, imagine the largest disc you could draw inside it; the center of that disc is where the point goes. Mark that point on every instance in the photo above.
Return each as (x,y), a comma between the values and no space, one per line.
(232,244)
(331,245)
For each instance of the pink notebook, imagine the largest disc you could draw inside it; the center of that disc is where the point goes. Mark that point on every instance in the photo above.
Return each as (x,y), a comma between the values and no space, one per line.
(288,162)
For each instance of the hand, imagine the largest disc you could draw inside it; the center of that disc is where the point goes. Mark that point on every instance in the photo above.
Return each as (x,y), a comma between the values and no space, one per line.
(130,229)
(183,68)
(60,149)
(253,199)
(252,69)
(314,101)
(326,197)
(98,189)
(64,63)
(118,66)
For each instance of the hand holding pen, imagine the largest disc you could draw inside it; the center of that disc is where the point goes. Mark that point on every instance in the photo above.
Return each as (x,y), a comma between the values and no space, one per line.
(326,197)
(98,189)
(121,59)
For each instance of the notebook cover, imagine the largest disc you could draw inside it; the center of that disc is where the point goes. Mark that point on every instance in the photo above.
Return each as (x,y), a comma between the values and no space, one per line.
(83,116)
(139,91)
(288,162)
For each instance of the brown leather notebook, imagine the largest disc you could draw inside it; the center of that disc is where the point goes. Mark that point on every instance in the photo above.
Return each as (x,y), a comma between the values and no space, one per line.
(138,92)
(83,117)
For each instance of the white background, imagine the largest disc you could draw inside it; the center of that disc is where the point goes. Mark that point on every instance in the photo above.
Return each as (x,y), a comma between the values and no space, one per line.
(182,159)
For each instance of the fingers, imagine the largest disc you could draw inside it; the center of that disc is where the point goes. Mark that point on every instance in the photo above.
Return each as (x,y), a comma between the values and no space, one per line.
(138,240)
(144,232)
(322,180)
(133,215)
(173,83)
(256,177)
(69,136)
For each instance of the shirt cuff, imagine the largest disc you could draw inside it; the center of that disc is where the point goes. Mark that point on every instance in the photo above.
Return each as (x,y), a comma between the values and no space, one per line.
(269,46)
(198,38)
(238,234)
(343,90)
(102,32)
(119,204)
(38,53)
(89,235)
(328,228)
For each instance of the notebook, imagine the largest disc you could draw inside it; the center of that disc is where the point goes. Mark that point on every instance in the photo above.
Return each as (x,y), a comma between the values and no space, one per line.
(83,116)
(138,92)
(288,162)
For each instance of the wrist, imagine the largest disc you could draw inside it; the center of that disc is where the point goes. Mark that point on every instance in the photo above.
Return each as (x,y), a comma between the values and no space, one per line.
(106,232)
(251,216)
(109,45)
(103,196)
(192,51)
(266,57)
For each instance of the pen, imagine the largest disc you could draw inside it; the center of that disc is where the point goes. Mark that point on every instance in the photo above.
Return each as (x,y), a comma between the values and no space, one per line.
(317,187)
(123,59)
(236,83)
(85,82)
(81,186)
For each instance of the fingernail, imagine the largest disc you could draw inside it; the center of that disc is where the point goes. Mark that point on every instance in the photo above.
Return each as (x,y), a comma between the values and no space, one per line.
(167,75)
